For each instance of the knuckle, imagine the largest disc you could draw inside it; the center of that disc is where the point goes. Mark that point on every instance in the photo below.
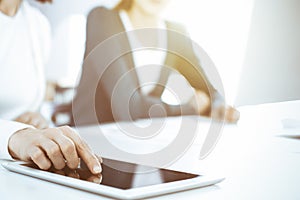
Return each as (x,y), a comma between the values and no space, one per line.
(54,150)
(52,132)
(47,132)
(65,128)
(69,130)
(82,145)
(68,147)
(37,155)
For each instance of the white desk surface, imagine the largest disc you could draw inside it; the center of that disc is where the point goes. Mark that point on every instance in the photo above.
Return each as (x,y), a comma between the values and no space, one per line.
(257,162)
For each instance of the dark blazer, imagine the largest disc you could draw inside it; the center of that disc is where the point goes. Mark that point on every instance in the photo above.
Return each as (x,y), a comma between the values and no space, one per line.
(97,94)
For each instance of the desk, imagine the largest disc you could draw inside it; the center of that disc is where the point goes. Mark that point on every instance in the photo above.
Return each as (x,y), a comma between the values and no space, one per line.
(257,163)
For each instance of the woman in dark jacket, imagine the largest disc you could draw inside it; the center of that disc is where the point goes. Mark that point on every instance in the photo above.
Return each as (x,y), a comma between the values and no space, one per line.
(115,92)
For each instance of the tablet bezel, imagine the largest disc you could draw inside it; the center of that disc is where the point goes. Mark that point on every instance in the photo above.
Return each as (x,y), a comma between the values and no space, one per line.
(134,193)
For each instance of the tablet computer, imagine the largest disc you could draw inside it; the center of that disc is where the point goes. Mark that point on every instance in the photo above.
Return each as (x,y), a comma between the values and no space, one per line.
(119,179)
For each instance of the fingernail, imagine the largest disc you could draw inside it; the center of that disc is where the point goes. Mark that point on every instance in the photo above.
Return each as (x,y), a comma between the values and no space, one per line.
(96,180)
(97,169)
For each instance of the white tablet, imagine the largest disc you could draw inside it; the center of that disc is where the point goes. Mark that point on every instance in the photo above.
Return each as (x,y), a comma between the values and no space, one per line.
(115,182)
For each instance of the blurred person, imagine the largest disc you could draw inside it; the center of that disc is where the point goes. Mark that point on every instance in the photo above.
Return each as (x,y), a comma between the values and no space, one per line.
(129,15)
(25,44)
(24,39)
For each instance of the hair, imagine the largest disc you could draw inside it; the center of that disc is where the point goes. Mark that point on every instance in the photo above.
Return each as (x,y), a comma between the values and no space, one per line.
(124,5)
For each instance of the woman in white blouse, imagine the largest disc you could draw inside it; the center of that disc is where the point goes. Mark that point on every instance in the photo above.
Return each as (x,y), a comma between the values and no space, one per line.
(25,42)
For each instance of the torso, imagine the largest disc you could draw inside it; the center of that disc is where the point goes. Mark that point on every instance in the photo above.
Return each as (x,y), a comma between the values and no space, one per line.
(18,74)
(147,62)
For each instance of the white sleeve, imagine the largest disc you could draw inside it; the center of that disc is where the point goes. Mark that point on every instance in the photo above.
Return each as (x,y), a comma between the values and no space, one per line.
(7,128)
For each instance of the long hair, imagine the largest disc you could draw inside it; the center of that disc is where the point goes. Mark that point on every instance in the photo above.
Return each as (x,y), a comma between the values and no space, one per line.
(124,5)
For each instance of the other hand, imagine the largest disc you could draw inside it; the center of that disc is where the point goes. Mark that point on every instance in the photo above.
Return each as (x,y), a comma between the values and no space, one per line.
(33,118)
(229,113)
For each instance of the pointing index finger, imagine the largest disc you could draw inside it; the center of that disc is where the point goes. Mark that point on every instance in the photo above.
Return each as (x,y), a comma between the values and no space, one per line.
(83,150)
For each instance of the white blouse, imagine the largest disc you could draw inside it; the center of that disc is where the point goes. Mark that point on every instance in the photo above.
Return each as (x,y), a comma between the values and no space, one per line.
(147,62)
(25,45)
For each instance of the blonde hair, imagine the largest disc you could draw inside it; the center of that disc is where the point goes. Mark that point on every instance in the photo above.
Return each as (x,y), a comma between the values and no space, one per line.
(124,5)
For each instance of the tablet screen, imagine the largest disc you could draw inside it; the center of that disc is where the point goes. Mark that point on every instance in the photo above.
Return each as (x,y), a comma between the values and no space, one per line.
(123,175)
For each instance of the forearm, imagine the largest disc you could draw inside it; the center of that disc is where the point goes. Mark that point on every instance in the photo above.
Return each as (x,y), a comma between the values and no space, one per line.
(167,109)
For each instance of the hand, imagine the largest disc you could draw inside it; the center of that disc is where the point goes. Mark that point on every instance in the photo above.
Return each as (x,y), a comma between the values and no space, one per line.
(232,115)
(203,102)
(53,147)
(34,119)
(229,113)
